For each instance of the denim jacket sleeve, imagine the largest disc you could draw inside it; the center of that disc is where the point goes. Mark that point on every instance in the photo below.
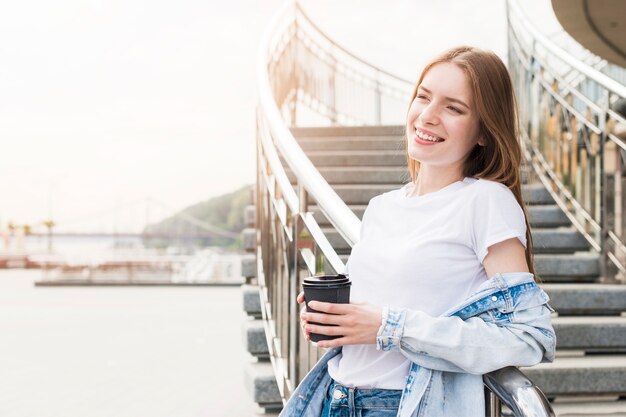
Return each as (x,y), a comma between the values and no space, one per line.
(476,345)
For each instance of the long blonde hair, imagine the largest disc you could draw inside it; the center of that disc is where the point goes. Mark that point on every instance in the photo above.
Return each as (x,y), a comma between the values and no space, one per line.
(501,157)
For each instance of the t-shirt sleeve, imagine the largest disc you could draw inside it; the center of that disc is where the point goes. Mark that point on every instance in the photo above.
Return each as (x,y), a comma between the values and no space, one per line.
(497,217)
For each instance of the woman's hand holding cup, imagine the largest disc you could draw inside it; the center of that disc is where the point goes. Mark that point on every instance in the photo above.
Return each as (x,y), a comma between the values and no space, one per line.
(356,323)
(338,322)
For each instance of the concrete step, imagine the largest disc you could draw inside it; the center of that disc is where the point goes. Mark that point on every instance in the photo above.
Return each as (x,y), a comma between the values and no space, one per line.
(335,239)
(591,333)
(396,177)
(526,172)
(352,143)
(261,383)
(558,240)
(578,299)
(368,143)
(321,219)
(361,194)
(577,267)
(254,339)
(590,299)
(249,239)
(592,408)
(546,241)
(396,158)
(399,175)
(366,174)
(251,300)
(248,266)
(571,297)
(331,132)
(536,194)
(361,175)
(547,216)
(587,375)
(249,215)
(540,216)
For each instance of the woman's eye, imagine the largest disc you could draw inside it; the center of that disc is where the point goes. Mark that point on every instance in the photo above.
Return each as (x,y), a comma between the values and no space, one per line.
(422,97)
(454,109)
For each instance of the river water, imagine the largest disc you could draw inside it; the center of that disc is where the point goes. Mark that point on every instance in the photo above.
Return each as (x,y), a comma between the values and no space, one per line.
(120,352)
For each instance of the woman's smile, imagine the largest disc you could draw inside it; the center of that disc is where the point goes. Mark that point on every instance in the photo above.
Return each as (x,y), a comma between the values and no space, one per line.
(425,137)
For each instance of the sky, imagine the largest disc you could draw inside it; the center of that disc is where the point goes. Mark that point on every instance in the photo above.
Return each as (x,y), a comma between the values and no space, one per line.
(106,105)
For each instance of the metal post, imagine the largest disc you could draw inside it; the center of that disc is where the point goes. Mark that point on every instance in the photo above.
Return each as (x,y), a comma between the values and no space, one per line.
(303,207)
(604,241)
(377,101)
(291,287)
(618,207)
(294,313)
(493,406)
(294,71)
(332,84)
(304,199)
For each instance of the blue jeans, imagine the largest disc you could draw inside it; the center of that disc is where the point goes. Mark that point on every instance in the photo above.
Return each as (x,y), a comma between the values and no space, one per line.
(356,402)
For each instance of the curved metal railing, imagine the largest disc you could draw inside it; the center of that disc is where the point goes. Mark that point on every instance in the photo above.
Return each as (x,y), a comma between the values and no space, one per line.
(305,78)
(511,387)
(312,76)
(569,136)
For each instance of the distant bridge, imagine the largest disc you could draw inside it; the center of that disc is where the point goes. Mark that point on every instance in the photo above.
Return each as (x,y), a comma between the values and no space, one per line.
(191,227)
(186,235)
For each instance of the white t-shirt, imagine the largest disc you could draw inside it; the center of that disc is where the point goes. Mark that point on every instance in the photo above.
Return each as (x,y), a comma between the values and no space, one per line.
(423,253)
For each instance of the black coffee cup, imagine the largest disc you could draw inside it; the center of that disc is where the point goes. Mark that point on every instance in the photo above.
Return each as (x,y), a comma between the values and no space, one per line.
(327,288)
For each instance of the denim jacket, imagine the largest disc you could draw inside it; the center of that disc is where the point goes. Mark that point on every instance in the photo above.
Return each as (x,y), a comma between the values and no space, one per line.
(506,322)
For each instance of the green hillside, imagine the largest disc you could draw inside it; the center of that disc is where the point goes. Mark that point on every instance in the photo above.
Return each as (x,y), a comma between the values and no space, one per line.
(224,212)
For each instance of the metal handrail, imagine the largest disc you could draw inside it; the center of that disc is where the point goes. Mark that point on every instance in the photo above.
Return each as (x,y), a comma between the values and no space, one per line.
(345,51)
(517,392)
(567,132)
(602,79)
(339,214)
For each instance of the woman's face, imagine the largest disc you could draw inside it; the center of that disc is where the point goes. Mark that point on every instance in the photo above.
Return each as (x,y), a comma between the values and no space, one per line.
(442,123)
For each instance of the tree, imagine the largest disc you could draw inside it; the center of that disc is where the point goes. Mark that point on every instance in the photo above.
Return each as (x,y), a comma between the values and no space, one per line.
(49,225)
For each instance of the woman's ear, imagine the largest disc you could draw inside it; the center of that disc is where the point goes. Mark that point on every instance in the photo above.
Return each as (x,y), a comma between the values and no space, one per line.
(481,141)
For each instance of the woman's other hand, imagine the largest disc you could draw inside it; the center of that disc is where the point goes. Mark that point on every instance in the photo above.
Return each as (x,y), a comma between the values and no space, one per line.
(303,322)
(357,322)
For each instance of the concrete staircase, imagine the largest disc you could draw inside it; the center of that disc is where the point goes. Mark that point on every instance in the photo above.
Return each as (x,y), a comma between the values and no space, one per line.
(588,378)
(259,376)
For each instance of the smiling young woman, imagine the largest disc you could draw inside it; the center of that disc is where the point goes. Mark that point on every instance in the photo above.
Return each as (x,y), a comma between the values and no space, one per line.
(483,99)
(443,284)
